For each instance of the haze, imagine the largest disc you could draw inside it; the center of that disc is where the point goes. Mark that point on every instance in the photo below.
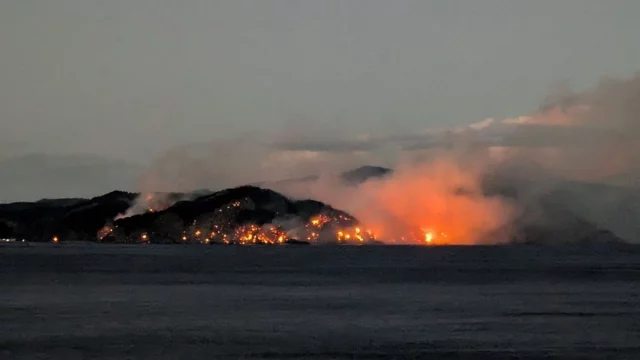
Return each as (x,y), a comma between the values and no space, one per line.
(107,88)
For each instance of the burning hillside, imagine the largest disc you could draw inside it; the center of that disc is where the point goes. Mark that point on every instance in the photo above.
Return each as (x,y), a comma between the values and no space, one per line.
(245,215)
(440,205)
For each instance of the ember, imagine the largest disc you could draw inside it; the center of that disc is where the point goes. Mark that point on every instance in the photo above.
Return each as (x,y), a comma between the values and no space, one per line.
(341,229)
(243,222)
(104,232)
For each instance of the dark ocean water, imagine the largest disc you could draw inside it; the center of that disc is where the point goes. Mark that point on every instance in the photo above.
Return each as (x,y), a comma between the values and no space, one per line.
(289,302)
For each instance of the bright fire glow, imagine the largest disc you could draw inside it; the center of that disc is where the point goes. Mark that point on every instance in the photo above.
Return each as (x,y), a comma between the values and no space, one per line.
(436,203)
(446,223)
(428,237)
(104,232)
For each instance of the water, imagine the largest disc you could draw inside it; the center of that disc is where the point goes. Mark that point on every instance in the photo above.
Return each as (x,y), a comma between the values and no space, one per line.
(190,302)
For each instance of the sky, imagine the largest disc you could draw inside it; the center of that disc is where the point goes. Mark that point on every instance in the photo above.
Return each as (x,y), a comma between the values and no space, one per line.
(130,80)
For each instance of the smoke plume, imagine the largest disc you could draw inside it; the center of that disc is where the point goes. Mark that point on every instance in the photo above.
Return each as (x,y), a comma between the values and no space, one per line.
(580,151)
(577,153)
(577,156)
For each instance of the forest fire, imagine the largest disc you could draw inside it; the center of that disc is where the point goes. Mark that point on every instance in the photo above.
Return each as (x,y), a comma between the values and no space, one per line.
(253,234)
(355,234)
(238,222)
(434,203)
(104,232)
(493,182)
(323,228)
(340,229)
(241,235)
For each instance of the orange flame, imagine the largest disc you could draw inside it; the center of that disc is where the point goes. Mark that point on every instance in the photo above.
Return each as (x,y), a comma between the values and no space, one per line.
(440,203)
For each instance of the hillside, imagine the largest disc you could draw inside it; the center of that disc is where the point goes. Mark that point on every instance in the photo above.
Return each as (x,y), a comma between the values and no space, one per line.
(257,215)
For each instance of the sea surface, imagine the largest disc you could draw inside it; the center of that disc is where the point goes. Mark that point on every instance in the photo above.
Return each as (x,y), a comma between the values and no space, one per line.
(318,302)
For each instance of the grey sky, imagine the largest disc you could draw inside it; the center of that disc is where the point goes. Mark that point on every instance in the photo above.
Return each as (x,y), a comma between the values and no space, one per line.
(129,79)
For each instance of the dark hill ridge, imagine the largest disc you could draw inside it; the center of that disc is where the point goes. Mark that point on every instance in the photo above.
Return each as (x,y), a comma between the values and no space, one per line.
(231,208)
(364,173)
(570,211)
(351,177)
(552,218)
(218,216)
(79,219)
